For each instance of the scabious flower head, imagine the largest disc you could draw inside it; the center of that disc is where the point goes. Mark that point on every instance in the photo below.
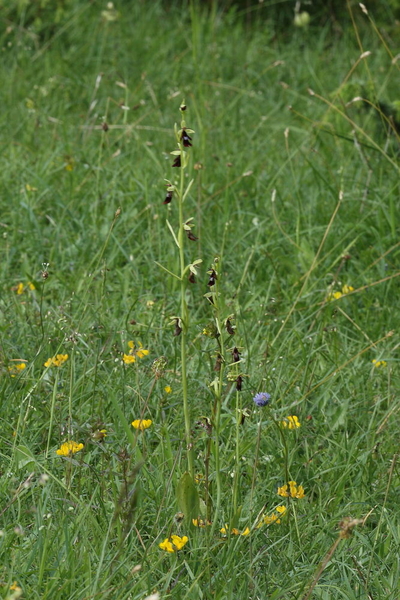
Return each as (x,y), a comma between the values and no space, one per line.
(56,361)
(69,448)
(262,398)
(379,363)
(173,543)
(291,422)
(292,490)
(142,424)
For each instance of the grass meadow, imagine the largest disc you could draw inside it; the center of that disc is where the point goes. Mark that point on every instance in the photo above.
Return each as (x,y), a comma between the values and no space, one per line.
(266,266)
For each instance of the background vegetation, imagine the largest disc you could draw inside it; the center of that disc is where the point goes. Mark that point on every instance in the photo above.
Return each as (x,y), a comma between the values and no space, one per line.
(296,193)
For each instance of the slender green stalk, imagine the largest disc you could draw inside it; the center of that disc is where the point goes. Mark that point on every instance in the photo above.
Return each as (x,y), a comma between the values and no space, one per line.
(237,453)
(217,401)
(184,318)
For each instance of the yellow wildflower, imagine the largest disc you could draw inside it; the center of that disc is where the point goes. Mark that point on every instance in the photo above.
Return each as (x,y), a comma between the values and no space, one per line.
(168,389)
(292,490)
(69,448)
(15,369)
(272,518)
(346,289)
(200,522)
(291,422)
(70,165)
(20,289)
(234,531)
(56,361)
(283,491)
(173,543)
(178,541)
(379,363)
(166,545)
(150,303)
(30,188)
(141,423)
(139,352)
(333,296)
(128,359)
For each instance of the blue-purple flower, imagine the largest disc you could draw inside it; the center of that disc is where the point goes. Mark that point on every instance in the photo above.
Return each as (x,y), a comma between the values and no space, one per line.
(262,399)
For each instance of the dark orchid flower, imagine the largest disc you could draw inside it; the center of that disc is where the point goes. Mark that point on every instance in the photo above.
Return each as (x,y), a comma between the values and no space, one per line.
(239,382)
(235,355)
(168,197)
(218,363)
(192,278)
(178,328)
(191,236)
(177,161)
(185,138)
(229,327)
(213,278)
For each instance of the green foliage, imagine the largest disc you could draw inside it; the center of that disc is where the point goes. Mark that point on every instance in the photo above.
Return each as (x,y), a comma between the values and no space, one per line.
(295,202)
(188,498)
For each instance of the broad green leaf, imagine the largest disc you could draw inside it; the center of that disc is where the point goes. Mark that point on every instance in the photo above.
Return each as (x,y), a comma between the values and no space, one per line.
(188,497)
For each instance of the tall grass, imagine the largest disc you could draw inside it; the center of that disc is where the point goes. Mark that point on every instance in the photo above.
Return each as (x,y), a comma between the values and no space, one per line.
(295,201)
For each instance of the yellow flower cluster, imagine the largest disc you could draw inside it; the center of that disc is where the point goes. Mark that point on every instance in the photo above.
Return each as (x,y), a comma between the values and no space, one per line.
(168,389)
(20,288)
(139,352)
(69,448)
(141,424)
(56,361)
(234,531)
(173,543)
(15,369)
(272,518)
(14,587)
(200,522)
(346,289)
(291,422)
(379,363)
(291,490)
